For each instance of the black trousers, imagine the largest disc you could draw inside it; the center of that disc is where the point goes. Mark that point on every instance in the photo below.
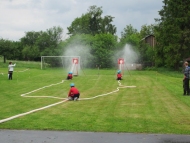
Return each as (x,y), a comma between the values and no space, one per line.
(119,78)
(76,95)
(186,86)
(10,75)
(68,77)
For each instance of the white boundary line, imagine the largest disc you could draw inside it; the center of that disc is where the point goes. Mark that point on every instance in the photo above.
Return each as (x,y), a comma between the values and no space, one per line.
(22,70)
(108,92)
(51,105)
(15,71)
(35,110)
(32,111)
(24,95)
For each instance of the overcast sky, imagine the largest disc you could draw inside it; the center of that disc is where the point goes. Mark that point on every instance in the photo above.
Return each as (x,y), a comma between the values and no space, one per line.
(20,16)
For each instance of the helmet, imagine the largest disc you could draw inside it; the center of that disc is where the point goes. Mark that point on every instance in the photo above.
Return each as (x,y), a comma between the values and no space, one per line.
(118,71)
(72,84)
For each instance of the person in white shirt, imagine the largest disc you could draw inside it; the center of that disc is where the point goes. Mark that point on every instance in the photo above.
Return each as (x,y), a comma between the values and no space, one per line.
(10,70)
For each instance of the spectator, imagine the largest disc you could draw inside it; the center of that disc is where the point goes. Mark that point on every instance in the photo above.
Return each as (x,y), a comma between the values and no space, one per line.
(186,79)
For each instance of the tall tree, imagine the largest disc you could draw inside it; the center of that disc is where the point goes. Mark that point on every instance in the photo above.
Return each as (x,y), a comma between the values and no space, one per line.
(40,43)
(128,31)
(146,30)
(29,45)
(92,23)
(131,36)
(173,33)
(5,49)
(30,38)
(147,53)
(103,47)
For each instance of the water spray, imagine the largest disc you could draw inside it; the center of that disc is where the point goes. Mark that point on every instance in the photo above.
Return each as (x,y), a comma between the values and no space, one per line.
(74,68)
(121,65)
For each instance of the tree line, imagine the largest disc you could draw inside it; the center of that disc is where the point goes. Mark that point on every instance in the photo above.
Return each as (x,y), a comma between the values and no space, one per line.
(171,31)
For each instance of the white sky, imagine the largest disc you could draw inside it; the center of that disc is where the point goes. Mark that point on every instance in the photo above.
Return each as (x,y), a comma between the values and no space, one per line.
(20,16)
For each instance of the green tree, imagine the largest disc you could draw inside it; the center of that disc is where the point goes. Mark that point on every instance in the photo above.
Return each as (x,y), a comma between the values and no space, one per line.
(173,33)
(147,53)
(130,36)
(147,30)
(80,25)
(29,48)
(103,47)
(42,43)
(128,31)
(49,40)
(5,49)
(16,53)
(92,23)
(30,52)
(30,38)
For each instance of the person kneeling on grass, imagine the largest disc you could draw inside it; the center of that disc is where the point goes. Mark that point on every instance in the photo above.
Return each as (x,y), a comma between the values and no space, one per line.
(119,75)
(70,75)
(73,93)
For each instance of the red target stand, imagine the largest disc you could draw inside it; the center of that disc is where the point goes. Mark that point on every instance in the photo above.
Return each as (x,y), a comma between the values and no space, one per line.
(121,65)
(75,62)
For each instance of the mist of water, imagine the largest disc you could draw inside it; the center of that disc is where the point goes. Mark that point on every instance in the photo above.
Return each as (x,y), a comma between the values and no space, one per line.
(75,51)
(128,54)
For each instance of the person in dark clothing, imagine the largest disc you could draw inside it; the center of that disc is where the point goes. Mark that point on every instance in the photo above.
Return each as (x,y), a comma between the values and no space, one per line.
(119,75)
(186,79)
(74,93)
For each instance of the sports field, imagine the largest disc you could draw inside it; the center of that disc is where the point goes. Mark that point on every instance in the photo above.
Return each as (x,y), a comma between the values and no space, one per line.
(143,102)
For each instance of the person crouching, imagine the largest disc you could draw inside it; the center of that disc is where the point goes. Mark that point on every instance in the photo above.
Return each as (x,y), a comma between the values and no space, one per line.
(119,75)
(73,93)
(70,75)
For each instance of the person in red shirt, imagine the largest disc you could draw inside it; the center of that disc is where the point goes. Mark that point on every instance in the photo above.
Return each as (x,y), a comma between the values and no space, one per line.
(119,75)
(70,75)
(73,93)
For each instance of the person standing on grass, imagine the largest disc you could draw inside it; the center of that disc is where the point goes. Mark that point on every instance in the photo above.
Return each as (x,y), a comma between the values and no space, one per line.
(73,93)
(10,70)
(186,79)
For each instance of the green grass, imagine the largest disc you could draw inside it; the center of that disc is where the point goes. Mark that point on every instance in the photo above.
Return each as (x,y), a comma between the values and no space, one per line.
(156,105)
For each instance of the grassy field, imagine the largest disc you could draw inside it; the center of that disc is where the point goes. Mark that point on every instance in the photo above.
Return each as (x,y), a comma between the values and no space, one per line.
(155,105)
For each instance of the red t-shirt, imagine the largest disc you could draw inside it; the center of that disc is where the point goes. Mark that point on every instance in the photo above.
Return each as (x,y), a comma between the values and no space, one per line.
(119,75)
(69,75)
(73,91)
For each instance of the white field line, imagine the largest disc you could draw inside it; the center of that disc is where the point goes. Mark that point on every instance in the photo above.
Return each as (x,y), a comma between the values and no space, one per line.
(22,70)
(32,111)
(16,71)
(121,86)
(24,95)
(45,107)
(35,110)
